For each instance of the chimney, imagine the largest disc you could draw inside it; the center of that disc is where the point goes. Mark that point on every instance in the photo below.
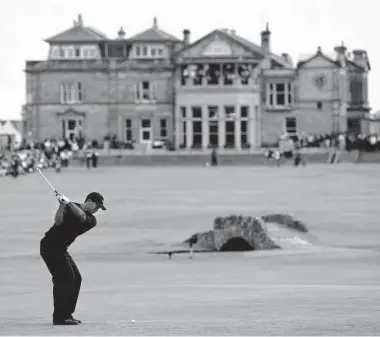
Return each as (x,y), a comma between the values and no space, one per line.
(79,22)
(233,31)
(155,22)
(360,57)
(265,38)
(121,33)
(286,57)
(340,51)
(186,37)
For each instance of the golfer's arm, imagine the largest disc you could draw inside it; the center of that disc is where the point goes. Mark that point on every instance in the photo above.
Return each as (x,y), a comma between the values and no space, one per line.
(77,211)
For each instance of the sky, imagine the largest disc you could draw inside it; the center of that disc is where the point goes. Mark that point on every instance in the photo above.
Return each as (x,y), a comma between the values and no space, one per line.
(298,27)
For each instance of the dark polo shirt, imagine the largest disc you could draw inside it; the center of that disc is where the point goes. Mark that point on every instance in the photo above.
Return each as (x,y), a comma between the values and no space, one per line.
(67,227)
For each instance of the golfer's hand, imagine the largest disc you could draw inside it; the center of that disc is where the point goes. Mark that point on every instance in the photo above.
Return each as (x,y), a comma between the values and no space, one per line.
(62,199)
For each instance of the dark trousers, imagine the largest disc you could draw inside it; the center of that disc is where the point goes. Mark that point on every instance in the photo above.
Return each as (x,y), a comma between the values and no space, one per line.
(67,280)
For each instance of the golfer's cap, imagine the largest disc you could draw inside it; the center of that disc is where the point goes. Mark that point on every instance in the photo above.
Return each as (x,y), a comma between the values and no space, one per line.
(98,198)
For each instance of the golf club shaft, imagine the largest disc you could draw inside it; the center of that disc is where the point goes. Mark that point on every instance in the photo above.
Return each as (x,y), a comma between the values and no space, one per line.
(47,181)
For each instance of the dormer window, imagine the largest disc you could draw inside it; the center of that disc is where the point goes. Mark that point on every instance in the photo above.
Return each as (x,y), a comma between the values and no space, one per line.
(86,52)
(74,52)
(148,51)
(54,52)
(70,53)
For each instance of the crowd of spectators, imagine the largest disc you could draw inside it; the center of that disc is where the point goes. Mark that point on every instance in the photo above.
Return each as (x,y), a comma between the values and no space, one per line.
(27,157)
(346,141)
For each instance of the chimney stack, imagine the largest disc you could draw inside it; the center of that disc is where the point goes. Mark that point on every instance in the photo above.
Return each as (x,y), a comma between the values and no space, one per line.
(265,38)
(340,51)
(121,33)
(80,21)
(360,57)
(186,37)
(286,57)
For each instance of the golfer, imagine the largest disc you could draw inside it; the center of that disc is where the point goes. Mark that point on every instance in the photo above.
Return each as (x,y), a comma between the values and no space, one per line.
(71,220)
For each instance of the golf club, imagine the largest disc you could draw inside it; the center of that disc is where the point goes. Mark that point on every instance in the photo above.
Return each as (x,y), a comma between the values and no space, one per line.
(56,193)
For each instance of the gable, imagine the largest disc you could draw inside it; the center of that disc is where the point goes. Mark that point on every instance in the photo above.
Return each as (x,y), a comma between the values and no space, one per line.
(217,44)
(217,48)
(318,61)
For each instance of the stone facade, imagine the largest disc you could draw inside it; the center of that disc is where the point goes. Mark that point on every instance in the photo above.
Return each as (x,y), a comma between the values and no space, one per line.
(219,91)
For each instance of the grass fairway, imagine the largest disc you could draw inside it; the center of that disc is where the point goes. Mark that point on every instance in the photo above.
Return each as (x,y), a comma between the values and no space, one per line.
(330,287)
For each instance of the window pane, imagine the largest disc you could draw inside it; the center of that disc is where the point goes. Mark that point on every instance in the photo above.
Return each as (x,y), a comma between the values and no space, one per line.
(212,112)
(71,124)
(128,123)
(230,127)
(184,137)
(145,85)
(229,111)
(271,99)
(280,99)
(129,135)
(163,123)
(244,111)
(230,139)
(280,87)
(244,139)
(146,135)
(183,111)
(291,122)
(197,139)
(197,127)
(243,126)
(213,127)
(197,112)
(145,123)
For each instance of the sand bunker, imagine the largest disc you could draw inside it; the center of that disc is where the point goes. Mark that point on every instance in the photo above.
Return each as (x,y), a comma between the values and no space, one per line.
(238,233)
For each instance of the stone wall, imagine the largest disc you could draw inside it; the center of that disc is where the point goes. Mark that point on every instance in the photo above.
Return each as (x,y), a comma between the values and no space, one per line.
(251,229)
(237,233)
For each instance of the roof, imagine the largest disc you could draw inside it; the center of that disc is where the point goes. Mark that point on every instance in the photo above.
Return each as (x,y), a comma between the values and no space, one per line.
(241,40)
(327,58)
(154,34)
(78,33)
(254,48)
(317,54)
(8,128)
(231,36)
